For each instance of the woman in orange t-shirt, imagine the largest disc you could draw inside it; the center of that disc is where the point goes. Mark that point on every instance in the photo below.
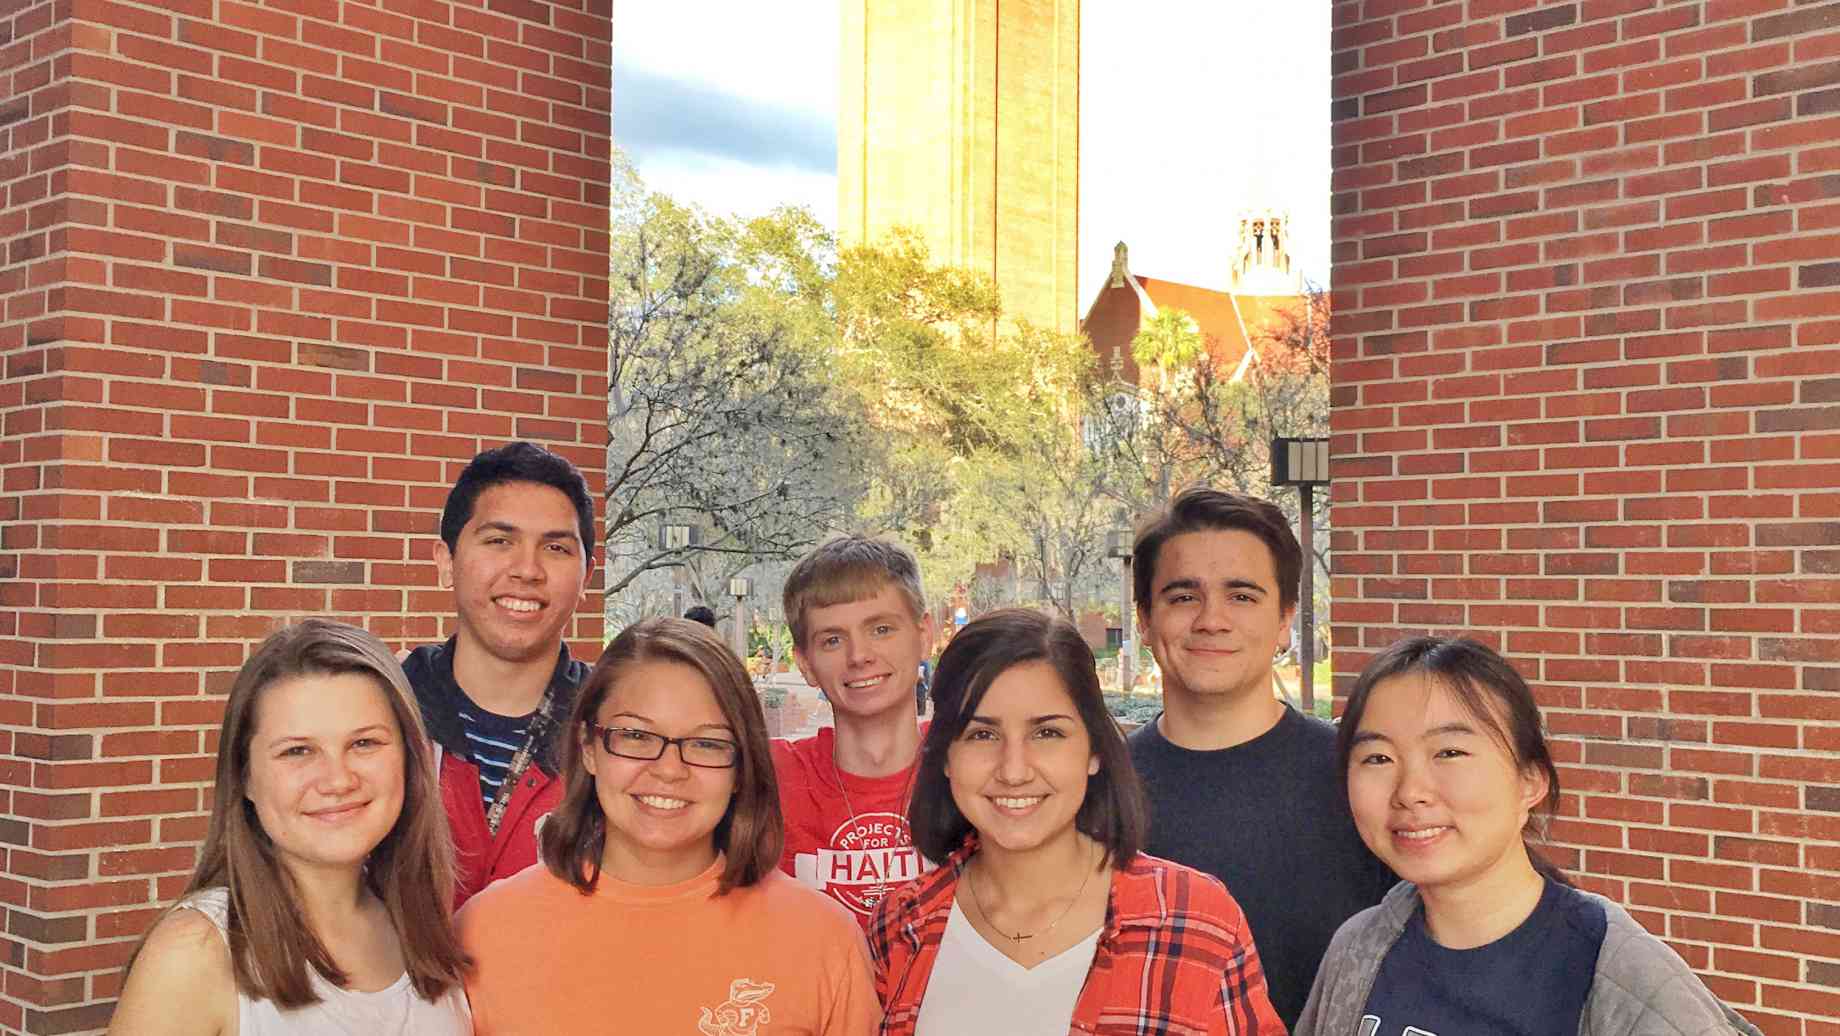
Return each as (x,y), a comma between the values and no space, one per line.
(658,905)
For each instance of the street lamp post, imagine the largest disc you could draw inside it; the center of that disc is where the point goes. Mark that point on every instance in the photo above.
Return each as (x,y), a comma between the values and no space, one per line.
(740,588)
(677,537)
(1303,463)
(1118,544)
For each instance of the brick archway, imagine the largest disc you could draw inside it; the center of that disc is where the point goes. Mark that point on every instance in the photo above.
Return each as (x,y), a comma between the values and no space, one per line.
(1586,365)
(272,271)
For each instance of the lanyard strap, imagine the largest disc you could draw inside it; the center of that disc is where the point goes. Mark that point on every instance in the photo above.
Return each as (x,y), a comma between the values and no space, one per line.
(534,734)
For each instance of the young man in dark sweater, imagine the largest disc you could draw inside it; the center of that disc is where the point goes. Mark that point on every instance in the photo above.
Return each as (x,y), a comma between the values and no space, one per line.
(1241,785)
(516,546)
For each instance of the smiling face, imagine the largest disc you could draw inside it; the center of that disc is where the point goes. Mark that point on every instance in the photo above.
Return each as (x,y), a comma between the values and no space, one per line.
(1214,619)
(865,655)
(1018,771)
(517,568)
(1435,793)
(661,814)
(325,770)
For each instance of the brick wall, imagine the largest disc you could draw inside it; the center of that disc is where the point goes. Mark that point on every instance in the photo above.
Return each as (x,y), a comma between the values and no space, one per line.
(273,271)
(1587,406)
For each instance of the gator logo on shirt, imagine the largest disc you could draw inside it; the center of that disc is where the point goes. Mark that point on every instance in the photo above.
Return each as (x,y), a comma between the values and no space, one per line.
(742,1014)
(870,854)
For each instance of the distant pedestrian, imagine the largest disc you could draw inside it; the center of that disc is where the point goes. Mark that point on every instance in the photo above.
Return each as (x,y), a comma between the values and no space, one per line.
(702,613)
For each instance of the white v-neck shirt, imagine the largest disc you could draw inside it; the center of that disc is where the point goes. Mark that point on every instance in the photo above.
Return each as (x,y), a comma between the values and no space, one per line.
(975,988)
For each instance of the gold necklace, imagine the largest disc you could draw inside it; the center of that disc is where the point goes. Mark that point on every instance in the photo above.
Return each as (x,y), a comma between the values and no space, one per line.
(1025,936)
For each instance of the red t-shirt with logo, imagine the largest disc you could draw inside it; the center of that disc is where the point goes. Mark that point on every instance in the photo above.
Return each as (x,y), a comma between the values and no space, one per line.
(846,836)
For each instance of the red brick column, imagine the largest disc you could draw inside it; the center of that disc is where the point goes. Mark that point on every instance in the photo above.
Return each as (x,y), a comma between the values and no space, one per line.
(272,272)
(1587,397)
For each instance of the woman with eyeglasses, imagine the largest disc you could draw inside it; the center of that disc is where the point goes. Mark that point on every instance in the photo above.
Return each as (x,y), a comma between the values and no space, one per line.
(1044,918)
(658,905)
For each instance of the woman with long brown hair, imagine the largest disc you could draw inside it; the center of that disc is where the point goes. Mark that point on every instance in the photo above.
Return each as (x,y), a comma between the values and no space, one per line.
(320,900)
(659,905)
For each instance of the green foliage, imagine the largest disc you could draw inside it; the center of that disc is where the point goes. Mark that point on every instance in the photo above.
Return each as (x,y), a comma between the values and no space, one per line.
(772,391)
(978,416)
(726,409)
(1202,421)
(1132,708)
(1170,341)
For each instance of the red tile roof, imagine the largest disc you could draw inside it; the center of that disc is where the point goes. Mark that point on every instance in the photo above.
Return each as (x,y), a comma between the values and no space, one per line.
(1225,320)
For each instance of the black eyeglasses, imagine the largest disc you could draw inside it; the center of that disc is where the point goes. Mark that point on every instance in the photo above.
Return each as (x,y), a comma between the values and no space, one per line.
(633,743)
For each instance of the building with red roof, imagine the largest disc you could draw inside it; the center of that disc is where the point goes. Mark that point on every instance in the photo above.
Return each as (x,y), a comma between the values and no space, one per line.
(1261,283)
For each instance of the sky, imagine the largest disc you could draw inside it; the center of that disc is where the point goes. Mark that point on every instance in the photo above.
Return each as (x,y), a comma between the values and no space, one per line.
(1190,110)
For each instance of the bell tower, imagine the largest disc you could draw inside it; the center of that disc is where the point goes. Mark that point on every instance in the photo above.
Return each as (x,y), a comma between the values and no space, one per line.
(1261,259)
(960,119)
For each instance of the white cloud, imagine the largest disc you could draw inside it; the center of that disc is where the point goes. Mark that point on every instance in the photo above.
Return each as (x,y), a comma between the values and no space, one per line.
(728,187)
(1191,112)
(778,52)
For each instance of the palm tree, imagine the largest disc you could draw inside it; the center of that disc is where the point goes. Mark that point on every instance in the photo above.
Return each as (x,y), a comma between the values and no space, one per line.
(1171,341)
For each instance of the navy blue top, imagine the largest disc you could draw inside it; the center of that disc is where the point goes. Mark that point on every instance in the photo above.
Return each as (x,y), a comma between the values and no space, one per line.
(1531,982)
(492,740)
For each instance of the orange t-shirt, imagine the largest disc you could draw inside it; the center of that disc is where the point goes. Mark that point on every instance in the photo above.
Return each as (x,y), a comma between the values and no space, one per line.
(773,959)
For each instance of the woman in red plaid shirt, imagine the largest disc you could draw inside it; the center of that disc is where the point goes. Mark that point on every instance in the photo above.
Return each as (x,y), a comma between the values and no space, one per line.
(1044,917)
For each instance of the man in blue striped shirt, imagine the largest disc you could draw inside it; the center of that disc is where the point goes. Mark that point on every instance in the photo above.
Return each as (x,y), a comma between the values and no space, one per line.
(516,547)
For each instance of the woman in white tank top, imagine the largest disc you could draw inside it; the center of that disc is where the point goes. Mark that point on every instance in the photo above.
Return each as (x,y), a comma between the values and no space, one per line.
(320,900)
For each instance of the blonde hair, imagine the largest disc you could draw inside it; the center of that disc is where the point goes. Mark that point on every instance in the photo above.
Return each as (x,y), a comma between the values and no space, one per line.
(848,569)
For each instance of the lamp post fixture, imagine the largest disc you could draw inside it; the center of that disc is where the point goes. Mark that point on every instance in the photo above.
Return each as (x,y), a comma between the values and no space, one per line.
(1303,463)
(740,588)
(678,537)
(1118,544)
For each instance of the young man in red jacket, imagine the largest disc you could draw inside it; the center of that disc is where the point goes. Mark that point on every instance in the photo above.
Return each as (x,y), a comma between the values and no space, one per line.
(516,548)
(859,630)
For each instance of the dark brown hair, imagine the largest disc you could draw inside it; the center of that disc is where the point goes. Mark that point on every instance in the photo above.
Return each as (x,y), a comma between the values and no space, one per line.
(1200,509)
(518,462)
(751,832)
(846,569)
(411,871)
(1489,690)
(1115,813)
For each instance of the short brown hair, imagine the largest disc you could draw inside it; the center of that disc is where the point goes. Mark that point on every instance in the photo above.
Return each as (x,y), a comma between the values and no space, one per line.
(751,832)
(411,871)
(1115,812)
(1201,509)
(846,569)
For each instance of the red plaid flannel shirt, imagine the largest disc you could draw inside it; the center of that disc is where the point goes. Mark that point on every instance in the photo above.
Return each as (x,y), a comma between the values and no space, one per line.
(1175,959)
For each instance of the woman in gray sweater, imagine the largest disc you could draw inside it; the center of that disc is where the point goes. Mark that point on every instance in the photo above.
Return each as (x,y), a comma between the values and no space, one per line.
(1447,769)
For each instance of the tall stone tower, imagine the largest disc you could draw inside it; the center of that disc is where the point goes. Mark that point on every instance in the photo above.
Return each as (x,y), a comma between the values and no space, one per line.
(960,119)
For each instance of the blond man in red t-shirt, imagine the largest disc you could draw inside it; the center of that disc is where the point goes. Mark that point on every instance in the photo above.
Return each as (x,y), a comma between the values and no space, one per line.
(860,630)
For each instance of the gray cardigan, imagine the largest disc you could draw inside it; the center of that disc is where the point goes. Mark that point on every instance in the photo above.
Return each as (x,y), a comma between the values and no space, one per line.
(1642,988)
